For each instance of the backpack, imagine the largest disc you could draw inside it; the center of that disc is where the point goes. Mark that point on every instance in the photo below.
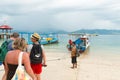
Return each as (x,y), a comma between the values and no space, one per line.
(36,54)
(4,49)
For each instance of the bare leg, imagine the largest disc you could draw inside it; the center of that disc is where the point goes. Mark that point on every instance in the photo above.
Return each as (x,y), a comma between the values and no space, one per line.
(75,65)
(38,76)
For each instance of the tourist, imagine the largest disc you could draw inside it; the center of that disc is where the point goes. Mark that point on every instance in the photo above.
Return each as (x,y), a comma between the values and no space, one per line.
(11,59)
(13,37)
(37,55)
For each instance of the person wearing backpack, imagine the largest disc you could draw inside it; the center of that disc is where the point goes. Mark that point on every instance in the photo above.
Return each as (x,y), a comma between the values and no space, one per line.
(37,55)
(9,47)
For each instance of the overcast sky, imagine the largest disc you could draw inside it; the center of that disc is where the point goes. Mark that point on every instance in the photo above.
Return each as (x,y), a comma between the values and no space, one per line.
(68,15)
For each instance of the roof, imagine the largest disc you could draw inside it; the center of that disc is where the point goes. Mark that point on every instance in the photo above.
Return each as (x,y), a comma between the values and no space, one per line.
(5,27)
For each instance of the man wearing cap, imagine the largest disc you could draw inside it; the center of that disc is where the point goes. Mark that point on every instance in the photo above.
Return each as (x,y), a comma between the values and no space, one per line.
(37,55)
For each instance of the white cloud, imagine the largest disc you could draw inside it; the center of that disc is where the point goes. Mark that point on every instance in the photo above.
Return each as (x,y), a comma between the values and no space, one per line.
(74,20)
(4,19)
(101,24)
(77,3)
(62,14)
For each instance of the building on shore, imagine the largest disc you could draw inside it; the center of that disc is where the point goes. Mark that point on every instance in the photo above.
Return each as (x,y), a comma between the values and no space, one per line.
(5,31)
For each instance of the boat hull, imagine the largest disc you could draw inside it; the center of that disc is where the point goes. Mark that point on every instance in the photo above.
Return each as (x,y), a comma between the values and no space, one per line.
(45,41)
(82,43)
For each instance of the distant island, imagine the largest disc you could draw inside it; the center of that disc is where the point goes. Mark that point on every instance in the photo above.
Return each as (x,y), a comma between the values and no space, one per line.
(88,31)
(98,31)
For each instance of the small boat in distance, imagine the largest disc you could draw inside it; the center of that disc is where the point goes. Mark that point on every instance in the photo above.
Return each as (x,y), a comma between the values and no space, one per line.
(82,43)
(49,39)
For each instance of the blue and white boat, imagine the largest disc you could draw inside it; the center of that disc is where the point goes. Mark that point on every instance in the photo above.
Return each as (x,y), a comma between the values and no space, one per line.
(82,43)
(48,40)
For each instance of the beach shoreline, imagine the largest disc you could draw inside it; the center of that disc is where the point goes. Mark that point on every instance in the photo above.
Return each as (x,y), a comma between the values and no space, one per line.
(89,68)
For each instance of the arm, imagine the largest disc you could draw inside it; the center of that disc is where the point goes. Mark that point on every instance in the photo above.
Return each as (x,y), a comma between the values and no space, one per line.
(44,57)
(26,62)
(6,69)
(29,47)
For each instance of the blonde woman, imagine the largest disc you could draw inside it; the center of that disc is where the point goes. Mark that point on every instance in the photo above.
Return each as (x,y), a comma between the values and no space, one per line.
(11,59)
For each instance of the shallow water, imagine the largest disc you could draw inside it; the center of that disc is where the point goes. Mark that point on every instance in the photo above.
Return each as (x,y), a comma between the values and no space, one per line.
(104,46)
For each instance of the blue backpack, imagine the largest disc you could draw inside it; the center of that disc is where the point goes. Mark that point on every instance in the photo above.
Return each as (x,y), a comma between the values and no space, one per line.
(4,50)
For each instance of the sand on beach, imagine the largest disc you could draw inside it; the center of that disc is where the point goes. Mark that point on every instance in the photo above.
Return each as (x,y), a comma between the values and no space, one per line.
(89,68)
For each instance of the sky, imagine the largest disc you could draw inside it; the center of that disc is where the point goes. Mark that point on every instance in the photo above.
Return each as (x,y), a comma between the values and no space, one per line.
(67,15)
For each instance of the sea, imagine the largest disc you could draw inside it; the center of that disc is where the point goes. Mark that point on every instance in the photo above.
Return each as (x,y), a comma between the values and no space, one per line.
(106,47)
(101,46)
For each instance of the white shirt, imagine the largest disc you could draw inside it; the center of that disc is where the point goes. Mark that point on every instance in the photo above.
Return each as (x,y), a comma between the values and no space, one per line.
(30,47)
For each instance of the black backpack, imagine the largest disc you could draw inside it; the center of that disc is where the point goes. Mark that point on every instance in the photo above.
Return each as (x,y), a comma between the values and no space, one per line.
(36,54)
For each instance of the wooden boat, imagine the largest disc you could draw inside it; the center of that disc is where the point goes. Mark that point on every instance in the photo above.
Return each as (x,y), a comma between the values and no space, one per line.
(82,43)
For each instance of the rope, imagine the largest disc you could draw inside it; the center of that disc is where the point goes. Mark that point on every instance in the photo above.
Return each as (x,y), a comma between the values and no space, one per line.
(62,58)
(54,59)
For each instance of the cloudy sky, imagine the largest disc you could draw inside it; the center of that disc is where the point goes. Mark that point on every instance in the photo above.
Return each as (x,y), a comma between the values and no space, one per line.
(68,15)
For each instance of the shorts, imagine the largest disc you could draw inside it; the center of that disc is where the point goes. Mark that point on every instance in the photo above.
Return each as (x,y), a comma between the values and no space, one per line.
(74,59)
(37,68)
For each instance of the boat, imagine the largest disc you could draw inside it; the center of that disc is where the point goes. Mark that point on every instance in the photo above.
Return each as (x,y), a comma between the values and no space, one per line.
(49,39)
(45,38)
(82,43)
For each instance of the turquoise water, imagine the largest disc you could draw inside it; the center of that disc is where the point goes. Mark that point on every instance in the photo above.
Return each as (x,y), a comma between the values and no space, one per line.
(102,45)
(106,47)
(107,44)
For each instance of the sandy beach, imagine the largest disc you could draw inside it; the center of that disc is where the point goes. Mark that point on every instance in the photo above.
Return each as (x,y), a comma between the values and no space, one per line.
(89,68)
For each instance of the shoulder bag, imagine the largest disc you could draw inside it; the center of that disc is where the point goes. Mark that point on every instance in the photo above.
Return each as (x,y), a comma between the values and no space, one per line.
(21,73)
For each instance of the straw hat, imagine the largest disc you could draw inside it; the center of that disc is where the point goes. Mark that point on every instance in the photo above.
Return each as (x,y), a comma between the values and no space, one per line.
(36,35)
